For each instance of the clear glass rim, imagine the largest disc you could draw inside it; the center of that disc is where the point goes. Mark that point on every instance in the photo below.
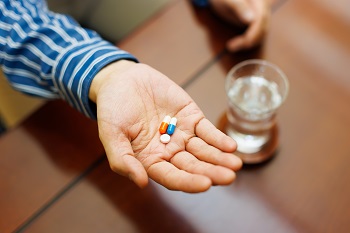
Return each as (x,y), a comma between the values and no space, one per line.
(258,62)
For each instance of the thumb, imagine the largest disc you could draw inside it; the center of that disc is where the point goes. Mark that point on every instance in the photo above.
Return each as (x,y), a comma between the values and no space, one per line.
(122,161)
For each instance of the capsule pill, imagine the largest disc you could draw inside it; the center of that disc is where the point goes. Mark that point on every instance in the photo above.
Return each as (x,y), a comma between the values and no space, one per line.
(164,125)
(172,125)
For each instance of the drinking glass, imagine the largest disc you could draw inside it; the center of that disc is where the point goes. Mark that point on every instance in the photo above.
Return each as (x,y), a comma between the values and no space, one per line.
(255,90)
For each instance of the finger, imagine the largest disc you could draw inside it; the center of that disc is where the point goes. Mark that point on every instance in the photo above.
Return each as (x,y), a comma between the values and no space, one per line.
(213,136)
(254,33)
(122,161)
(249,39)
(218,174)
(207,153)
(172,178)
(243,10)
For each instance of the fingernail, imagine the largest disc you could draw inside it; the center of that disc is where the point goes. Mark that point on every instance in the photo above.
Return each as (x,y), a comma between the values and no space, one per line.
(248,16)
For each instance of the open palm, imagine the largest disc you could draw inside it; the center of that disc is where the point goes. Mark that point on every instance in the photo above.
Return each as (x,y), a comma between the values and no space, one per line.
(130,108)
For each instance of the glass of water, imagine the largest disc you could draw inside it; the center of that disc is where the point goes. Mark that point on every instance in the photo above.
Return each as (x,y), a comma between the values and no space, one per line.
(255,90)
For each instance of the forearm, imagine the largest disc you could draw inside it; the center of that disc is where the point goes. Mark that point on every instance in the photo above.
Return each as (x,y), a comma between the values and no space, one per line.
(50,55)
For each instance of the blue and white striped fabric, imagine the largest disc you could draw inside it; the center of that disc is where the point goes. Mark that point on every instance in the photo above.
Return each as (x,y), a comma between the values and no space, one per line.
(49,55)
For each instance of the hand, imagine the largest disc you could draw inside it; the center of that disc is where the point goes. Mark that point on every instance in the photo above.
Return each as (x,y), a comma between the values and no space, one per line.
(132,100)
(252,13)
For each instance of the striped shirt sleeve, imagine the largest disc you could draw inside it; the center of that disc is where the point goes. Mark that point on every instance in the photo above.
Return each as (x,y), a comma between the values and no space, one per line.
(49,55)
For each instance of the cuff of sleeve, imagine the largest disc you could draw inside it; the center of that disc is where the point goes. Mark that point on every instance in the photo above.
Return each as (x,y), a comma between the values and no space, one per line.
(76,67)
(201,3)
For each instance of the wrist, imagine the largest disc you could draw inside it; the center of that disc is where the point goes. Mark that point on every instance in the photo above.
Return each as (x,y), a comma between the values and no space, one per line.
(104,74)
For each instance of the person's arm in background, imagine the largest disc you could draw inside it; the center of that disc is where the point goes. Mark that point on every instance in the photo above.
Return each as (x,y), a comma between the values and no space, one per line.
(50,55)
(253,14)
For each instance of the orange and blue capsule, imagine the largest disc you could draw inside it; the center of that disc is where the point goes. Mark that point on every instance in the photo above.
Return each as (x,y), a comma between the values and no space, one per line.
(171,126)
(164,125)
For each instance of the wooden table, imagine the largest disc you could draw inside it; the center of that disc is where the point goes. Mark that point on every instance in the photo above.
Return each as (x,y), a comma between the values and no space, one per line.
(54,176)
